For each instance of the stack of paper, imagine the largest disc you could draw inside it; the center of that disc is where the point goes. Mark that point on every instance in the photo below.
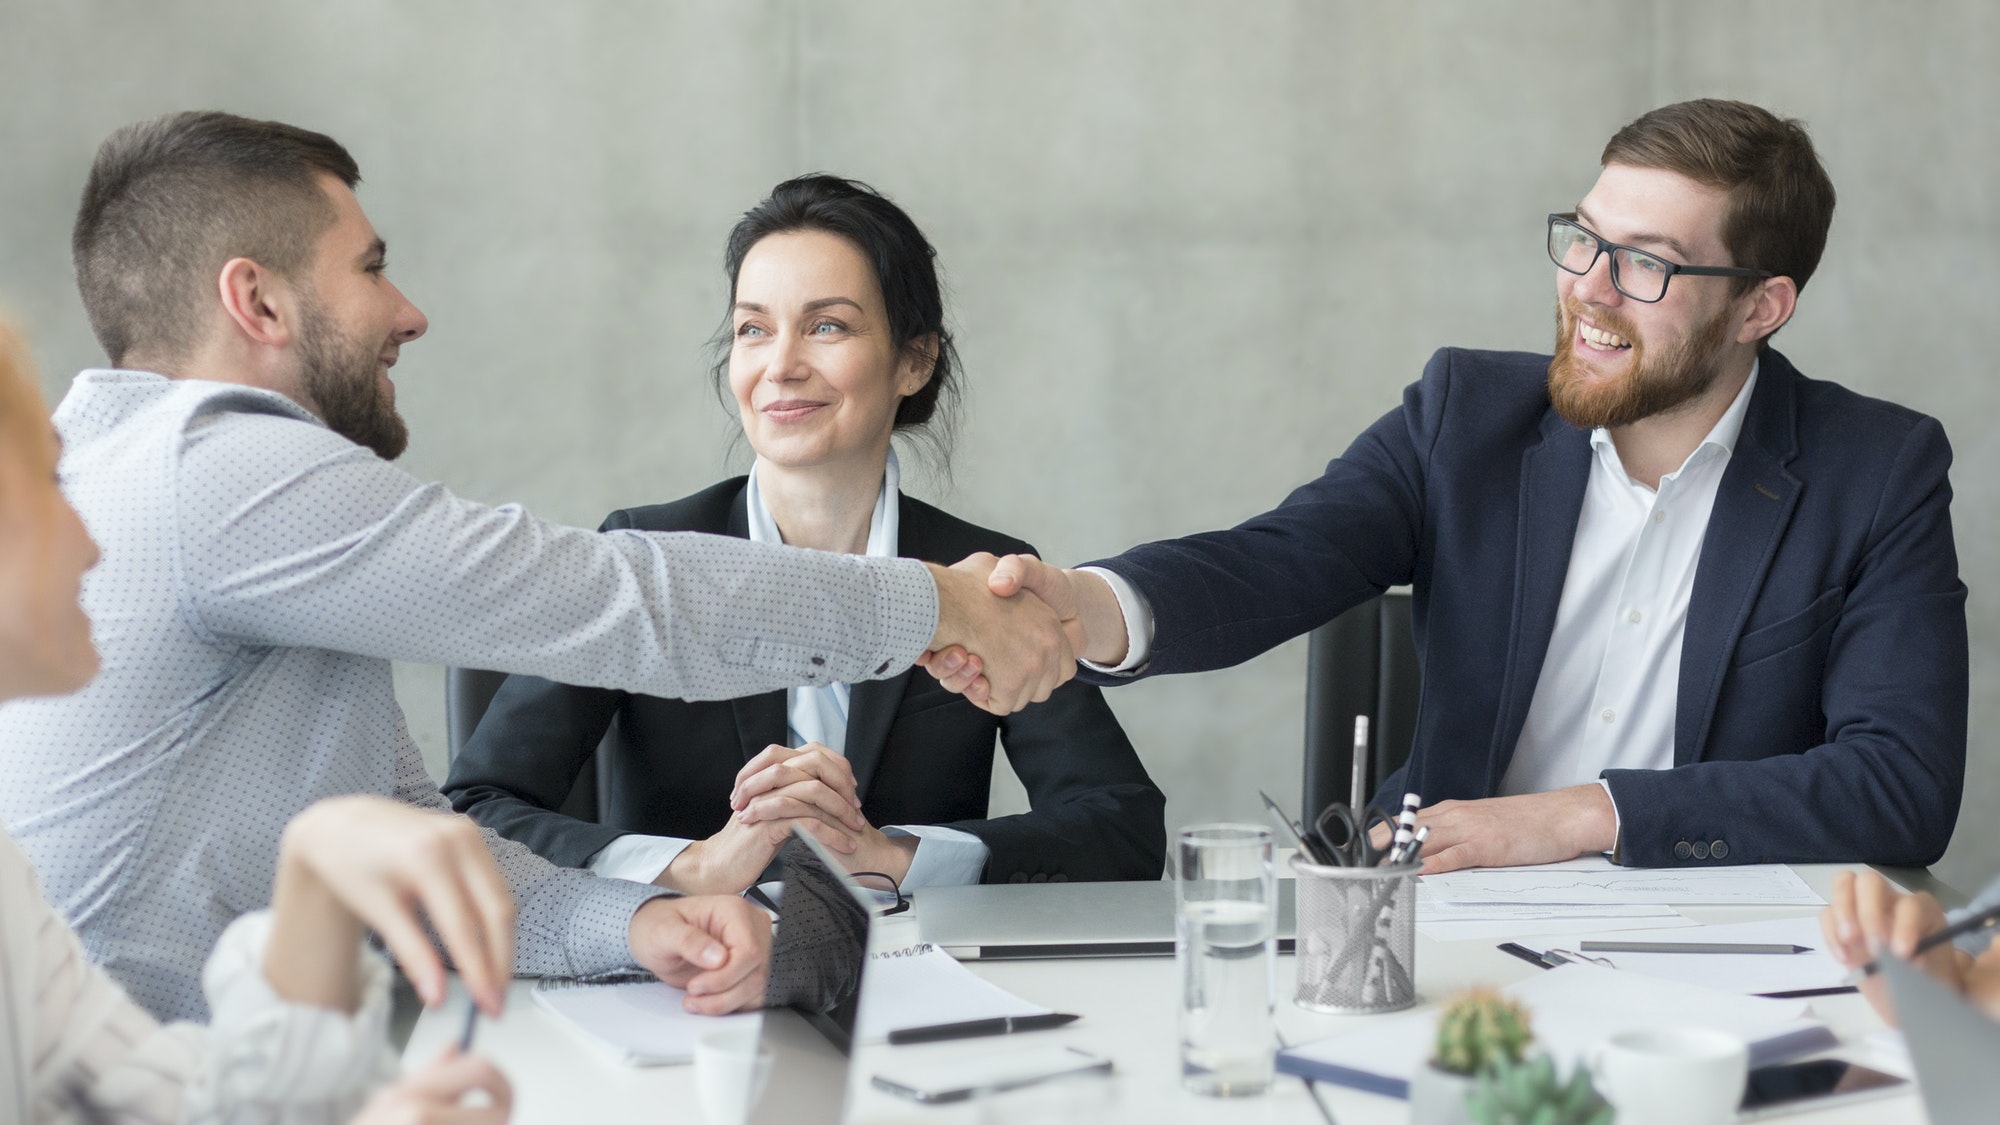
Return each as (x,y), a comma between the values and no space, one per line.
(1504,921)
(1570,1008)
(1591,895)
(1596,880)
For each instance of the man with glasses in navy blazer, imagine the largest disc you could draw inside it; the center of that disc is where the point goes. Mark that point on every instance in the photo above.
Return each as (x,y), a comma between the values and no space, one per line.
(1673,600)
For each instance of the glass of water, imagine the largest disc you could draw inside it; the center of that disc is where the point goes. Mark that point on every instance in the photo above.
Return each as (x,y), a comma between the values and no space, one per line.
(1225,947)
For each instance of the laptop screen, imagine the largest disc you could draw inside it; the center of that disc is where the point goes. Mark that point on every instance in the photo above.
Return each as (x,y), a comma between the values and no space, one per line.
(821,945)
(817,958)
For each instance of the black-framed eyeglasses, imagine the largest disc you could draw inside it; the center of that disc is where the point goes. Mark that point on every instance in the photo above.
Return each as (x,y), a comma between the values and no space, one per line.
(1636,273)
(887,898)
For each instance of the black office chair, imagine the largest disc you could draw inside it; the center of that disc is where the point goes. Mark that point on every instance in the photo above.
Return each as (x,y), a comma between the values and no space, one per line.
(1363,662)
(467,694)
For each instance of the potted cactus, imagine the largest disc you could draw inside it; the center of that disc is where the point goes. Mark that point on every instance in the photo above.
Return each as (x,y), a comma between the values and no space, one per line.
(1479,1030)
(1530,1093)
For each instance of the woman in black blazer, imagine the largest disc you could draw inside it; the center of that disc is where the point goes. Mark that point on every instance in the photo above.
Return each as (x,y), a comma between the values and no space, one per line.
(837,341)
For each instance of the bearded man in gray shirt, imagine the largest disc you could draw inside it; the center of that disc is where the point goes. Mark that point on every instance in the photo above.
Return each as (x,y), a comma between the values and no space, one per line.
(263,562)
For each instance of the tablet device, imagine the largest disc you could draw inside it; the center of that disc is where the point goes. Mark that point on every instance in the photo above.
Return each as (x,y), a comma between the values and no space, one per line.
(1817,1084)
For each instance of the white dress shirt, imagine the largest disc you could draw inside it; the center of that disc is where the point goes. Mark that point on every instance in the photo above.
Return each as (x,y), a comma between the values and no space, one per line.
(1611,679)
(818,713)
(70,1038)
(259,574)
(1608,688)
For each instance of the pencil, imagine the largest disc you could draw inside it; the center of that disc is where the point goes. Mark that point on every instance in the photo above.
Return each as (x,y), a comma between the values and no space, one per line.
(1689,947)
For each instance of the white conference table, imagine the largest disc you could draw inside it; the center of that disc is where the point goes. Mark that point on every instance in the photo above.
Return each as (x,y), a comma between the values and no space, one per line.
(1128,1009)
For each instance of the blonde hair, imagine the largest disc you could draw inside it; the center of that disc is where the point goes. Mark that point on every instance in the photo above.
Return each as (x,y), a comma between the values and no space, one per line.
(20,396)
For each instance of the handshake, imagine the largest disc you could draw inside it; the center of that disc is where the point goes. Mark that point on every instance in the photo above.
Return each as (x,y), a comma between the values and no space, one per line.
(1010,630)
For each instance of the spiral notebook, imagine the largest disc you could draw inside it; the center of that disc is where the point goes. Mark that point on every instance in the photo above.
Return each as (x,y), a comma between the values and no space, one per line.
(640,1022)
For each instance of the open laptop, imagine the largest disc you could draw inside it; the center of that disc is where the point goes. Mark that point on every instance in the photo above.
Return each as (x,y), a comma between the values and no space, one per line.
(1953,1046)
(817,958)
(1022,920)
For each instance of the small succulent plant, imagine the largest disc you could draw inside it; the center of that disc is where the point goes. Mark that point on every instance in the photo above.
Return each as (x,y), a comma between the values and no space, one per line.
(1530,1093)
(1478,1029)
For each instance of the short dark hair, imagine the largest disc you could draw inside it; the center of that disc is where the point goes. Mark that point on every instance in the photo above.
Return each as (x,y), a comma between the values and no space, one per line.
(905,266)
(171,199)
(1781,201)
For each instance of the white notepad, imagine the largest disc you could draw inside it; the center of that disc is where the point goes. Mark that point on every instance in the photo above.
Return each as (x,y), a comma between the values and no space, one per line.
(641,1022)
(922,986)
(637,1022)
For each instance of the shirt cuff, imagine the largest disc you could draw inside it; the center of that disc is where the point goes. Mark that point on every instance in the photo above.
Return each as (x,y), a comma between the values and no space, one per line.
(1617,822)
(266,1049)
(945,857)
(1138,615)
(599,937)
(636,857)
(906,604)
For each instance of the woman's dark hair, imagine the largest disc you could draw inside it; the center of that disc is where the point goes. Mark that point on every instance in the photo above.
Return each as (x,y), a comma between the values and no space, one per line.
(905,266)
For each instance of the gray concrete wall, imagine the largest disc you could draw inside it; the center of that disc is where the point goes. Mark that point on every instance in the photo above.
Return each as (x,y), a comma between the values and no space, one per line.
(1193,248)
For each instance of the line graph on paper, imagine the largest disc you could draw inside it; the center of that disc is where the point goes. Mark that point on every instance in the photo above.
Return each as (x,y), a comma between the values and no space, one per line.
(1595,884)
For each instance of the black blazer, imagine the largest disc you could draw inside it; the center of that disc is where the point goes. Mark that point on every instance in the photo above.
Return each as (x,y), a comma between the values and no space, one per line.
(1821,714)
(920,754)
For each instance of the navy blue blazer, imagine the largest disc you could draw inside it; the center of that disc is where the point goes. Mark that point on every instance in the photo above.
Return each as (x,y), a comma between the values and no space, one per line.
(920,754)
(1822,702)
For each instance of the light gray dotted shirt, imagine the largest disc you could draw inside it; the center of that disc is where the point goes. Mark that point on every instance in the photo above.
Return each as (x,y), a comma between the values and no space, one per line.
(259,574)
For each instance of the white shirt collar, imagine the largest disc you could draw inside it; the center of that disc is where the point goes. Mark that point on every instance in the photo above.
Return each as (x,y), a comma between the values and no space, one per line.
(884,526)
(1721,437)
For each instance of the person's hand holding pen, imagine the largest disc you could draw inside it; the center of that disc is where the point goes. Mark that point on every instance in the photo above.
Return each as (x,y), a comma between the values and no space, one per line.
(352,863)
(1528,828)
(1866,917)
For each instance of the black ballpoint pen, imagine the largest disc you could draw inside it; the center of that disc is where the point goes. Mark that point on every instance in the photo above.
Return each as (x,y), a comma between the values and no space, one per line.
(471,1021)
(973,1028)
(1297,832)
(1985,919)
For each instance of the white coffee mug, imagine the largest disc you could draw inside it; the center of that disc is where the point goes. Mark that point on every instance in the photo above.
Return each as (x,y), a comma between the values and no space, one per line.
(1671,1076)
(730,1071)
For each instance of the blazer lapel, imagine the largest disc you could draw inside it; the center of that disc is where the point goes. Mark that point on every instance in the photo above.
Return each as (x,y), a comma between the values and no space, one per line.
(1554,475)
(872,704)
(1753,506)
(871,711)
(760,719)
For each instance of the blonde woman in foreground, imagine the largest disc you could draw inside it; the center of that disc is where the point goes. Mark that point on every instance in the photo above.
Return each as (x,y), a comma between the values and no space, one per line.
(300,1007)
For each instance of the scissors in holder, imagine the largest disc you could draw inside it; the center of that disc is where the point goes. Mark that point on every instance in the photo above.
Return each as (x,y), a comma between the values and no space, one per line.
(1345,839)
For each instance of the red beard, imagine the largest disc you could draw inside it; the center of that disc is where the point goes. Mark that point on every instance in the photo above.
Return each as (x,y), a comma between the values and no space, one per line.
(1684,371)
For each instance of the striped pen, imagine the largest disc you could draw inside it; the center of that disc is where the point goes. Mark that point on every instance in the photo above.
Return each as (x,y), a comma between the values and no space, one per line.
(1406,827)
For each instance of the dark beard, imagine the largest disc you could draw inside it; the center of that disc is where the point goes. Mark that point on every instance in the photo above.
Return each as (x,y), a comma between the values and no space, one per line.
(340,377)
(1683,372)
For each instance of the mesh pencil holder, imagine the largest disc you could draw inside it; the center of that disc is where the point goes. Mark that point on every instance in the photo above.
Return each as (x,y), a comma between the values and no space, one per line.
(1357,938)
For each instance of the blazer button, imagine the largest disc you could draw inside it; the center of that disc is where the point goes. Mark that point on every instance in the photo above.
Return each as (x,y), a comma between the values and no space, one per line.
(1718,850)
(1039,877)
(1700,850)
(1059,877)
(1018,877)
(1682,850)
